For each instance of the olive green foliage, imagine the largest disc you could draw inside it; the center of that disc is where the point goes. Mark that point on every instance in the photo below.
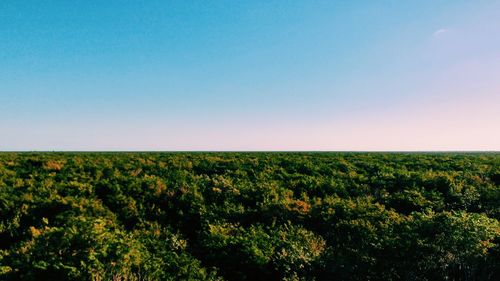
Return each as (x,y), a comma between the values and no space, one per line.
(249,216)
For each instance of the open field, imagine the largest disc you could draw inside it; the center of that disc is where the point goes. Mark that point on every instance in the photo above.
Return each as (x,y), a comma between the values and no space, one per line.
(249,216)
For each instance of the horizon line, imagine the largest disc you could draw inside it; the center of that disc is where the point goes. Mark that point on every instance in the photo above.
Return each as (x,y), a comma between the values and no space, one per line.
(249,151)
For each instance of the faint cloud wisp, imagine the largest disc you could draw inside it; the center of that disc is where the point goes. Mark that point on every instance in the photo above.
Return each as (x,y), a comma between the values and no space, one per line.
(441,32)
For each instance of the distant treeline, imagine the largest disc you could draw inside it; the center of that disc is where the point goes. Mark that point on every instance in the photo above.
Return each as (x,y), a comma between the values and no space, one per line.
(249,216)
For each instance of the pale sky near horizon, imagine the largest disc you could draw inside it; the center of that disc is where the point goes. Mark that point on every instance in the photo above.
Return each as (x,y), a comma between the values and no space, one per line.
(250,75)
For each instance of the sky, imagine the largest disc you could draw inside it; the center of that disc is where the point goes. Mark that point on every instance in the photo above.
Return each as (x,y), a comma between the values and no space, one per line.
(249,75)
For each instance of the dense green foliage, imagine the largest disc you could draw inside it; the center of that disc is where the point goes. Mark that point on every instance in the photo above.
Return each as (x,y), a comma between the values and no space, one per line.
(249,216)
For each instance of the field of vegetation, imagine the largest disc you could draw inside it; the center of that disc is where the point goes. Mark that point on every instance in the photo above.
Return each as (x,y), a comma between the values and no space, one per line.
(249,216)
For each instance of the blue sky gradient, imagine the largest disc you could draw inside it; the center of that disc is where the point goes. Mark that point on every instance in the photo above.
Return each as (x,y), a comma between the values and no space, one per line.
(249,75)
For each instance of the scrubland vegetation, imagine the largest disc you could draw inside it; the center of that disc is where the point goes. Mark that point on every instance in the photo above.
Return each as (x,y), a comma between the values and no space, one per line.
(249,216)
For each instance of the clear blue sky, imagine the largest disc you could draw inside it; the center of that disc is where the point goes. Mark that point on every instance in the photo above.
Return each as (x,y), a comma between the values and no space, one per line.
(249,75)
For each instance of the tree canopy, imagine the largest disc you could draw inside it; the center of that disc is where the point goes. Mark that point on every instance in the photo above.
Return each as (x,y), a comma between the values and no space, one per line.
(249,216)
